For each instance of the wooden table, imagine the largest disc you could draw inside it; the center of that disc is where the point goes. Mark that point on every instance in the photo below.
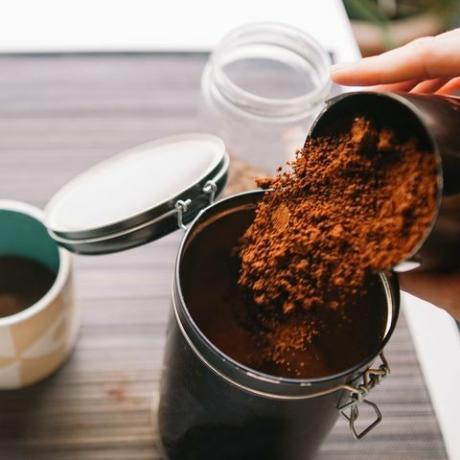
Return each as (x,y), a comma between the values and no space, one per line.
(59,115)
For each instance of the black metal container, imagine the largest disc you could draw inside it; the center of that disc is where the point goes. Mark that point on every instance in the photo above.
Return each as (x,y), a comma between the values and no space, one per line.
(213,407)
(434,121)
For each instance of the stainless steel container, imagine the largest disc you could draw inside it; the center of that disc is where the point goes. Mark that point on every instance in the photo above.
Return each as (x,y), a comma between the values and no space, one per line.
(434,121)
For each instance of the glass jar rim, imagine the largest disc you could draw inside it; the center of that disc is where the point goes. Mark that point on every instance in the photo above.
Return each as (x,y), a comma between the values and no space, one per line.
(287,37)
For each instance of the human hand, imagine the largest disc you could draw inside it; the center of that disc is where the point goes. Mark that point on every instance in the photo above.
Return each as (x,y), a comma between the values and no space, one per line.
(426,65)
(441,289)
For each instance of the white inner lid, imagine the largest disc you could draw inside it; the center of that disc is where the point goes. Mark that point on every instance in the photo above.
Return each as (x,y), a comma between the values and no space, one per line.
(133,182)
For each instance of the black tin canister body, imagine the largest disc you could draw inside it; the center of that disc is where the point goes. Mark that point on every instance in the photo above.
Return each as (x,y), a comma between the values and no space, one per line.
(434,121)
(211,407)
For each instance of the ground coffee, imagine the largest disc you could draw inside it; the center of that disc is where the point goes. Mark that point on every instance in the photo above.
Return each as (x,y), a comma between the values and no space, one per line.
(228,316)
(349,206)
(22,283)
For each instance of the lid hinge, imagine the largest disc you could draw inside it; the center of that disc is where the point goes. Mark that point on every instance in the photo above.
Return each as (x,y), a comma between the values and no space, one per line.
(210,188)
(182,207)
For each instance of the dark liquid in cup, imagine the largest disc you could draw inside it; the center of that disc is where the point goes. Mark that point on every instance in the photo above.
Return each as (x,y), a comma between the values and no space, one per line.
(220,309)
(22,283)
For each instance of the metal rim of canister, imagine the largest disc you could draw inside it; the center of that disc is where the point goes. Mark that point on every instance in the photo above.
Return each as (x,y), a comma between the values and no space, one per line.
(356,392)
(365,363)
(347,387)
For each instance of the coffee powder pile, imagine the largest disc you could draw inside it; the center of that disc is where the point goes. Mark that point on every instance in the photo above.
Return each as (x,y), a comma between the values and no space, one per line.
(349,206)
(302,344)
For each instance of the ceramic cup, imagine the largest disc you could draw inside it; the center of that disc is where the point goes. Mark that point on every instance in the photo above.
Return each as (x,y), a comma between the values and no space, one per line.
(36,341)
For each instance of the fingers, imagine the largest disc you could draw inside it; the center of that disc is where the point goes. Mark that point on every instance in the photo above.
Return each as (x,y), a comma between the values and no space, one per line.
(437,85)
(401,86)
(423,59)
(450,87)
(429,86)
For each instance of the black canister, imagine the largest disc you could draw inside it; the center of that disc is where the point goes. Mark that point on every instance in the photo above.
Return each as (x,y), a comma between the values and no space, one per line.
(212,406)
(433,121)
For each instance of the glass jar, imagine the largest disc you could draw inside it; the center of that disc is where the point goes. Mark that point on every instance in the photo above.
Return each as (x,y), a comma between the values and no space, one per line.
(263,85)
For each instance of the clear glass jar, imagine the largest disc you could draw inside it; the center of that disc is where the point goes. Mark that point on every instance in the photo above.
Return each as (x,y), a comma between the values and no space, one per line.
(262,87)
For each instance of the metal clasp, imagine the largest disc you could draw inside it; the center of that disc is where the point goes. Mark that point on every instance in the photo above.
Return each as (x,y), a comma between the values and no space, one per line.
(210,188)
(358,394)
(182,207)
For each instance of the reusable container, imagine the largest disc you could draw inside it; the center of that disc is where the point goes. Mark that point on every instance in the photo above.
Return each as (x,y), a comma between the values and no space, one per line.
(214,407)
(210,405)
(434,122)
(264,81)
(36,341)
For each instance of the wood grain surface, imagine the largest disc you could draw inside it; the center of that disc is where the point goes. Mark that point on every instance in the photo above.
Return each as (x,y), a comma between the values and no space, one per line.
(59,115)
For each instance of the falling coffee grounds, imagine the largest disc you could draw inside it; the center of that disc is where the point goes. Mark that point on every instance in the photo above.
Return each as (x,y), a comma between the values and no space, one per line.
(299,294)
(349,206)
(226,314)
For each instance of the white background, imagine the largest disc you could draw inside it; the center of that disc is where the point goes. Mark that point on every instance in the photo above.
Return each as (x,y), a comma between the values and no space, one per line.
(111,25)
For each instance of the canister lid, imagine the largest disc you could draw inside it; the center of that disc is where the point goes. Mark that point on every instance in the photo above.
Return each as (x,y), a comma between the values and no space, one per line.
(138,195)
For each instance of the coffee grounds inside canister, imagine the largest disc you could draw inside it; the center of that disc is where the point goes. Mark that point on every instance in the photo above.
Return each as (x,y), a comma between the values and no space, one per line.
(347,207)
(302,344)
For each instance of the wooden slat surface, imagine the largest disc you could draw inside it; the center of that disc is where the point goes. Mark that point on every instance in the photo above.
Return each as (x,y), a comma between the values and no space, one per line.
(58,115)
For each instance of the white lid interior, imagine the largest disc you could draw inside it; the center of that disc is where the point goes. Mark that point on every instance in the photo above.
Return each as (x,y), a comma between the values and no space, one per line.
(133,182)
